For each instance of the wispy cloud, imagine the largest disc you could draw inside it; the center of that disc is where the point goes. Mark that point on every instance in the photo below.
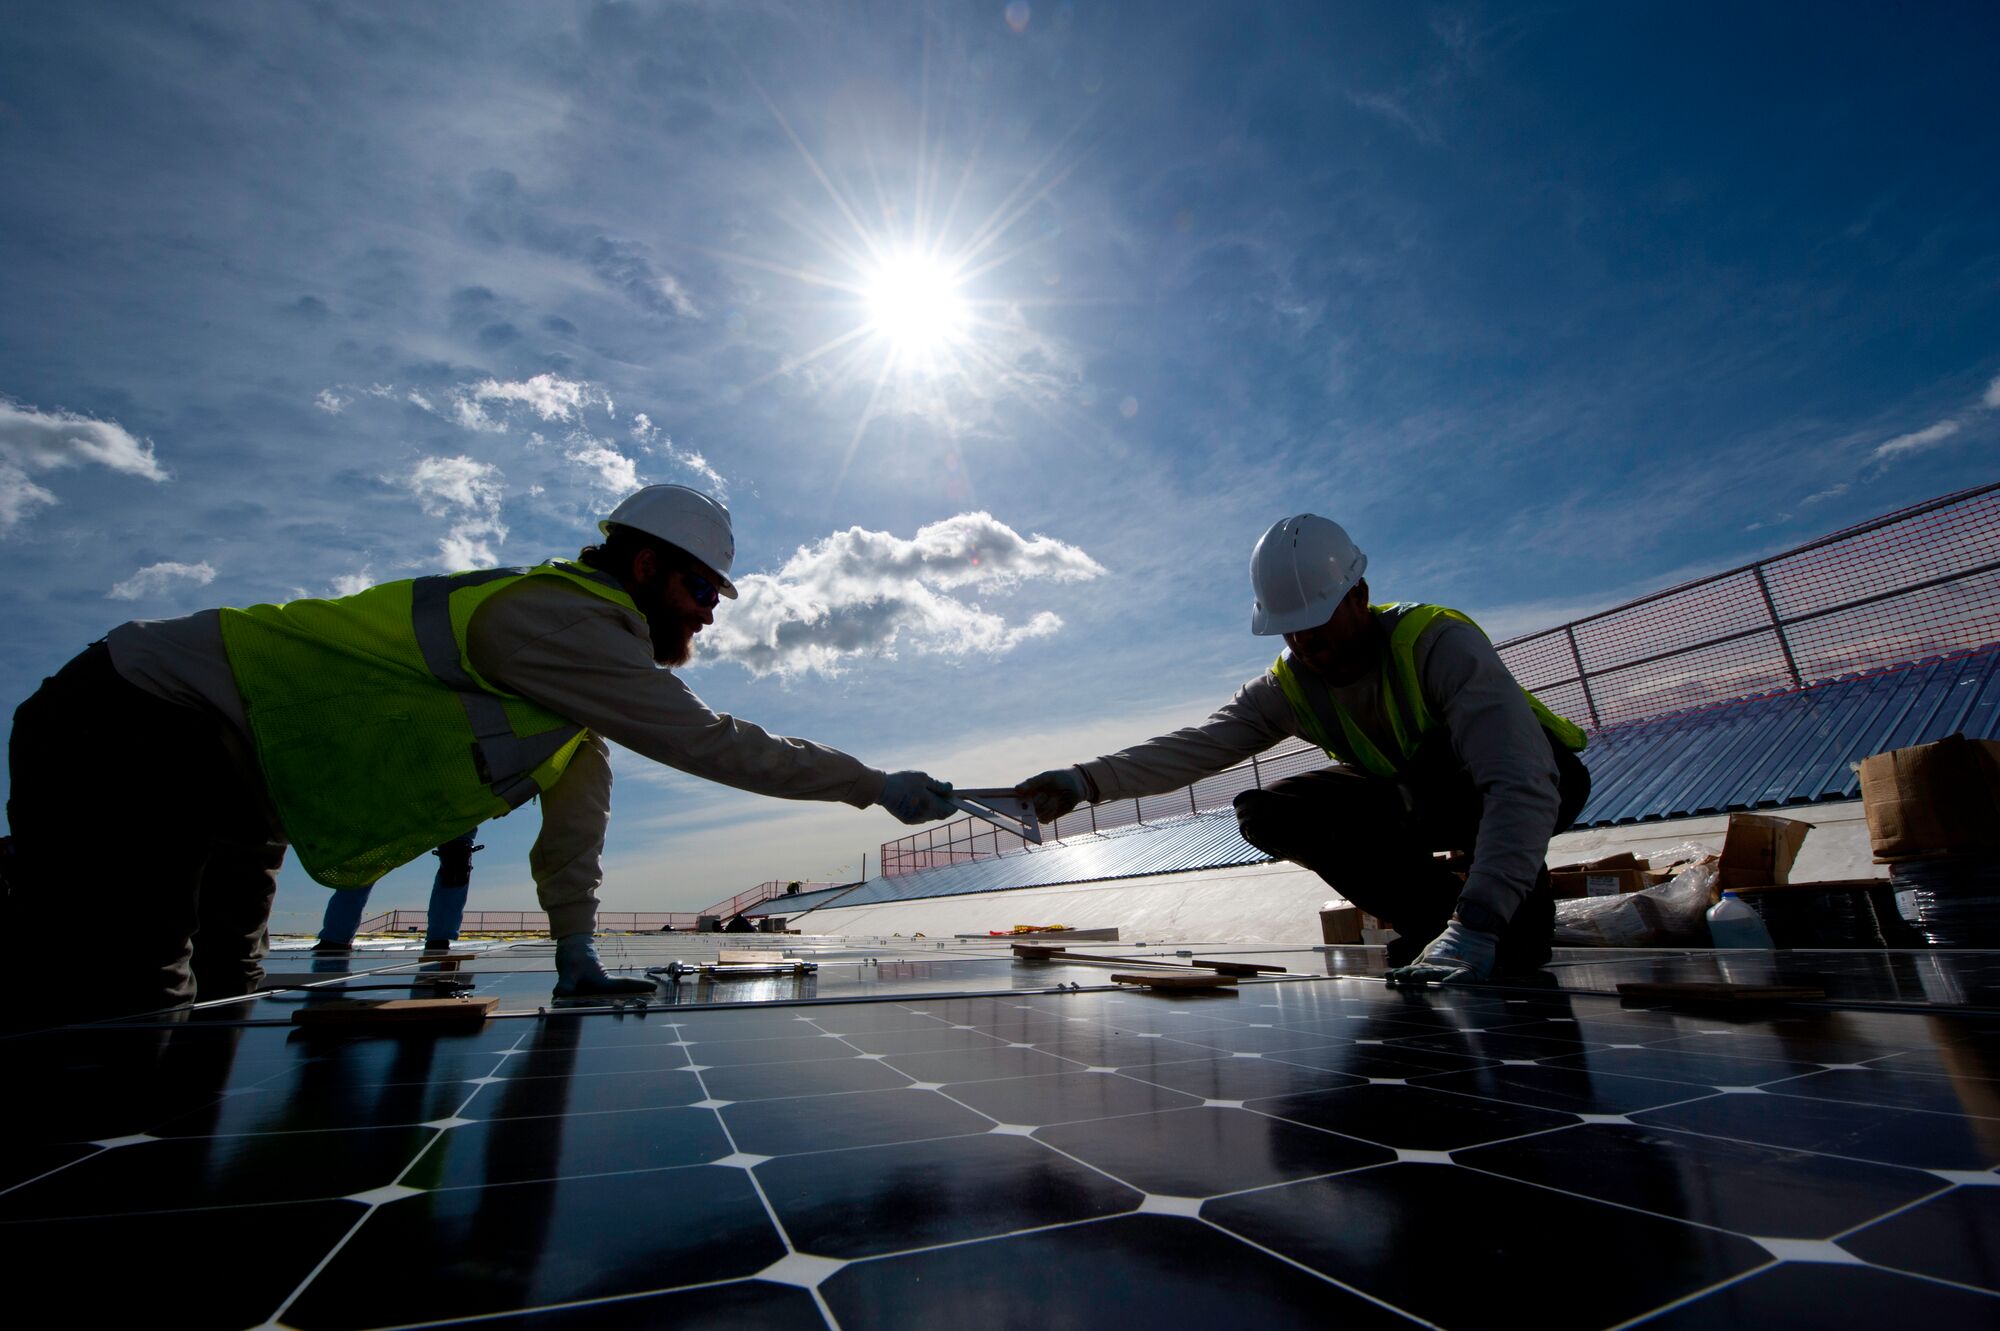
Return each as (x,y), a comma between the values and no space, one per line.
(655,440)
(1394,109)
(608,469)
(468,492)
(861,593)
(1916,441)
(1992,398)
(156,579)
(549,396)
(32,441)
(503,213)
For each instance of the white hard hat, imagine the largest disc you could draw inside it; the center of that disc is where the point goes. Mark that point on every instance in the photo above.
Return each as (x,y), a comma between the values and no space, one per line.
(1299,571)
(687,518)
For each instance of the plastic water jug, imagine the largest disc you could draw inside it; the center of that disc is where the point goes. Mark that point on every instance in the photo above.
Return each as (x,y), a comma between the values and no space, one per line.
(1733,924)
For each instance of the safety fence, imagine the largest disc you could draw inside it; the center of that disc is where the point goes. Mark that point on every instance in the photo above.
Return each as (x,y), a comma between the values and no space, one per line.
(608,921)
(1920,582)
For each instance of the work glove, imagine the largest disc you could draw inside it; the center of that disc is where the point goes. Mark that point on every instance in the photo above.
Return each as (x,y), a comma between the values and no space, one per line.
(917,797)
(579,974)
(1459,954)
(1054,792)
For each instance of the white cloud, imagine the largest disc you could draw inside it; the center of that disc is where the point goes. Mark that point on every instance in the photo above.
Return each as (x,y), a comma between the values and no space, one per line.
(18,495)
(1821,496)
(610,470)
(676,297)
(652,439)
(348,584)
(549,396)
(443,484)
(1916,441)
(156,579)
(860,593)
(330,402)
(469,492)
(38,441)
(1992,398)
(468,544)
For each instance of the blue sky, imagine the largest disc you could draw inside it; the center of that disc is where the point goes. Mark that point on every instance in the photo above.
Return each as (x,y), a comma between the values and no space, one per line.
(1551,305)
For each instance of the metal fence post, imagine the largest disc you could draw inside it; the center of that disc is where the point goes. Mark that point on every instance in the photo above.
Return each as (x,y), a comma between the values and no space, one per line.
(1582,677)
(1256,777)
(1777,625)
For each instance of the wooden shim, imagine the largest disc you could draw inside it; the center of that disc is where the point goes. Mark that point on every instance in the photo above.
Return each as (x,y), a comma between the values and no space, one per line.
(1717,991)
(348,1013)
(1187,980)
(750,956)
(1036,951)
(1239,967)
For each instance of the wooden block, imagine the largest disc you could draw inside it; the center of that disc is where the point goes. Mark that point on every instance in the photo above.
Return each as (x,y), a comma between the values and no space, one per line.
(1717,991)
(1163,980)
(395,1013)
(750,956)
(1036,951)
(1239,967)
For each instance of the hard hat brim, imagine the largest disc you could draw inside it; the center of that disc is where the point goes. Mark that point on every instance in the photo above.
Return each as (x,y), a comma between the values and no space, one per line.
(1267,625)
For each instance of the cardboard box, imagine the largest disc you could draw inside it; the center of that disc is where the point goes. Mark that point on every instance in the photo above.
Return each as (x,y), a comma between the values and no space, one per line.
(1342,924)
(1758,850)
(1606,876)
(1934,799)
(1580,882)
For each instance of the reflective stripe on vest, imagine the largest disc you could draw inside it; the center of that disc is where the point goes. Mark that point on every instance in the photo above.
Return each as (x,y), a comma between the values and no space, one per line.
(377,738)
(1403,701)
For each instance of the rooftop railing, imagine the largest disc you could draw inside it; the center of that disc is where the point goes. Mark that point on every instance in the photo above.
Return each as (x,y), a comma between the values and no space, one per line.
(608,921)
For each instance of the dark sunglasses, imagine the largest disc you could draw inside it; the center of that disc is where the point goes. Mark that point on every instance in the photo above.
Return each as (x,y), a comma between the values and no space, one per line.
(703,592)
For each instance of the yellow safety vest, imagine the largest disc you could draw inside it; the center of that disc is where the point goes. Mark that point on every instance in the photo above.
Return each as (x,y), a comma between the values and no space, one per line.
(1410,716)
(377,738)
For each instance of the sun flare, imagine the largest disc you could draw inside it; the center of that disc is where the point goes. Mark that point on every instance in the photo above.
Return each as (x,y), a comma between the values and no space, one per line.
(914,303)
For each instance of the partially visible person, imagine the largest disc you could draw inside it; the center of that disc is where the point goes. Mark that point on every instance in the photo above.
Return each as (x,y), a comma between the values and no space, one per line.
(442,918)
(363,731)
(1438,749)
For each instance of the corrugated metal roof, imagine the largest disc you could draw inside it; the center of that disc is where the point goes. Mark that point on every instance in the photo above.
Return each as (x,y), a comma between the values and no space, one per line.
(1788,748)
(1780,749)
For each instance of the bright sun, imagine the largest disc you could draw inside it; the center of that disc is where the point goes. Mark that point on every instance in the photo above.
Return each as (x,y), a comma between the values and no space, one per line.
(913,302)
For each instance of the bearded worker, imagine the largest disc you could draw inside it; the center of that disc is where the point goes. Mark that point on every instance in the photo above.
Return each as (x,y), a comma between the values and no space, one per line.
(1438,749)
(362,732)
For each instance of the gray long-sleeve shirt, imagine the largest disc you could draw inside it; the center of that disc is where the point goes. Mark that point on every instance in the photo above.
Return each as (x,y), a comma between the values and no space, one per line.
(581,657)
(1493,732)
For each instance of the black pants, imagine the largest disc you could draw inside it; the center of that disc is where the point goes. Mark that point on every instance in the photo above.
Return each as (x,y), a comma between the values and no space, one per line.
(1373,840)
(144,861)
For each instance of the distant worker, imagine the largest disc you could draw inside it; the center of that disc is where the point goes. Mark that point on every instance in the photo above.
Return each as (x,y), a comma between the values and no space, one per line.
(362,732)
(1439,749)
(442,917)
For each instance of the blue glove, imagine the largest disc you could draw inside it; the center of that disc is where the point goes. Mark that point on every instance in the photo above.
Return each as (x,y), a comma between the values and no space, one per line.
(1054,792)
(580,974)
(916,797)
(1459,954)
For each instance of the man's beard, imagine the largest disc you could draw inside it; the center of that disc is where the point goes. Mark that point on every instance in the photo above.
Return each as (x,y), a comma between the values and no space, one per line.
(673,637)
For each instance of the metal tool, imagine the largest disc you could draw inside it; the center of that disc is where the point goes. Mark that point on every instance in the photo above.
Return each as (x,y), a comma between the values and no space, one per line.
(1002,807)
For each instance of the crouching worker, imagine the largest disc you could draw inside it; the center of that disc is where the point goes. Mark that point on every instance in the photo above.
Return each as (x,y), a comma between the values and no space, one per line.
(1438,749)
(362,732)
